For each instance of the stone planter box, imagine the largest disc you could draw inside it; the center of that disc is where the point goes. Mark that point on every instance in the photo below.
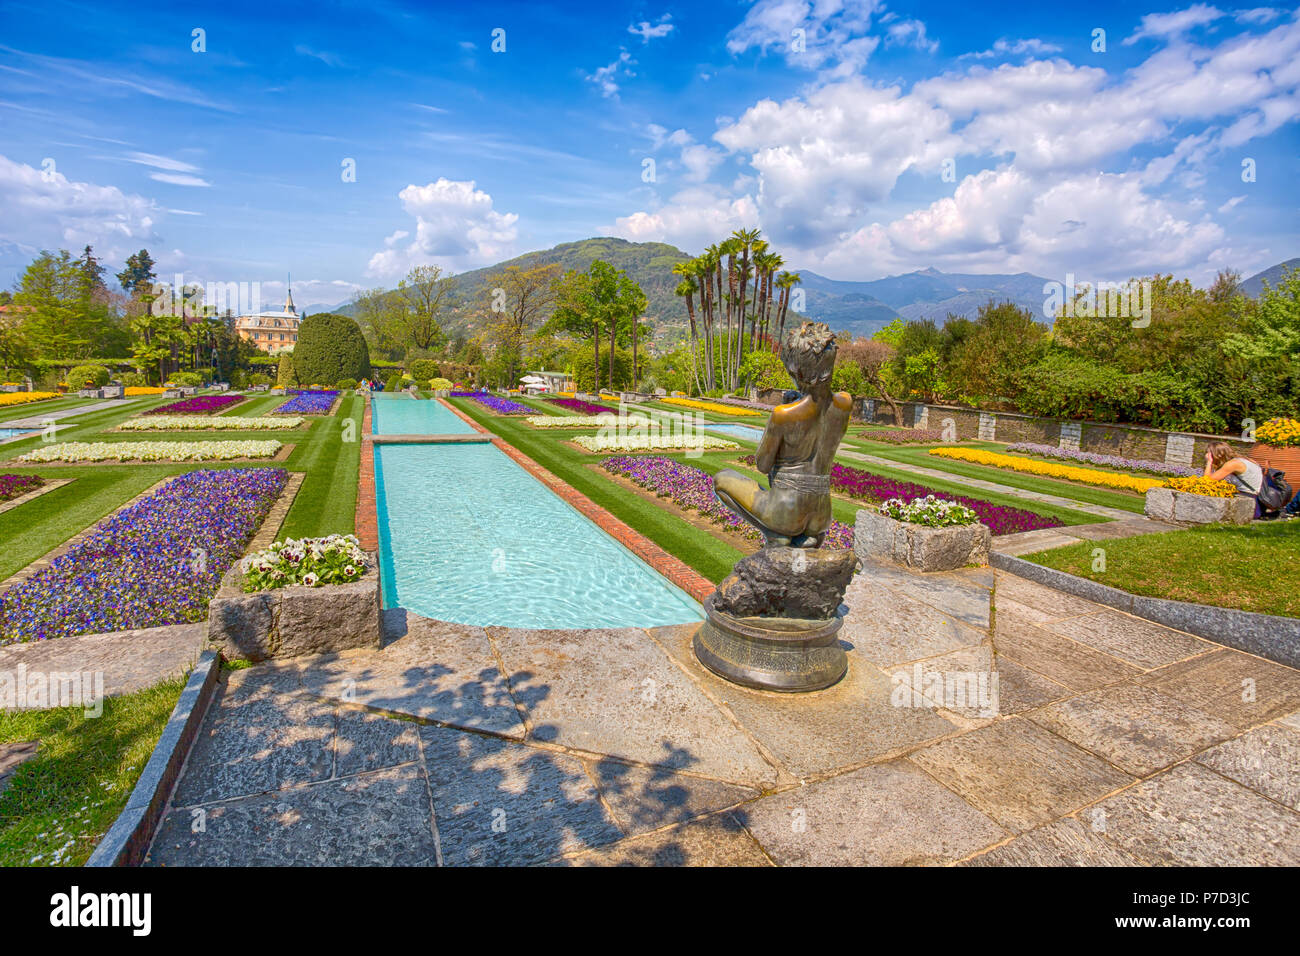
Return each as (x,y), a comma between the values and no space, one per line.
(1165,504)
(293,621)
(90,393)
(916,546)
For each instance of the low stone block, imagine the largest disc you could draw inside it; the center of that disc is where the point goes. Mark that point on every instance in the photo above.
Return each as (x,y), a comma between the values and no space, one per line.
(919,547)
(787,582)
(294,621)
(1183,507)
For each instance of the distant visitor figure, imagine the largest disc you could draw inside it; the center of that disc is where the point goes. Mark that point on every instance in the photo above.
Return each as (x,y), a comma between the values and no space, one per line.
(796,451)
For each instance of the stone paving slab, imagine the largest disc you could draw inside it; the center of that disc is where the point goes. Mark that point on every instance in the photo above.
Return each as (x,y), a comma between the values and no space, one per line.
(442,672)
(890,814)
(1020,774)
(1030,542)
(1134,727)
(381,818)
(1192,816)
(1267,760)
(718,841)
(1067,842)
(889,628)
(1058,658)
(843,726)
(1130,639)
(499,802)
(128,660)
(616,692)
(1240,689)
(649,798)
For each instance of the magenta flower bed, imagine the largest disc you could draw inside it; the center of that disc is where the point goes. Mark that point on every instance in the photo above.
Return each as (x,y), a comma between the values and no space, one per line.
(156,562)
(198,405)
(502,406)
(581,407)
(904,436)
(856,483)
(692,488)
(12,486)
(315,402)
(1110,461)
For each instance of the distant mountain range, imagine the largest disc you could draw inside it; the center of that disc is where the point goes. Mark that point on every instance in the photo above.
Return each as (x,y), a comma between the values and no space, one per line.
(862,308)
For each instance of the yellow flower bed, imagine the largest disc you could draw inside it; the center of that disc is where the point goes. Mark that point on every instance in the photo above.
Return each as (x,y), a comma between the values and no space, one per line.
(711,407)
(1047,469)
(23,398)
(1279,432)
(133,390)
(1209,487)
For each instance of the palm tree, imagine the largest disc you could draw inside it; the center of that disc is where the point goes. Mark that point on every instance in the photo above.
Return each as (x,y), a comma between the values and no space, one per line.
(686,289)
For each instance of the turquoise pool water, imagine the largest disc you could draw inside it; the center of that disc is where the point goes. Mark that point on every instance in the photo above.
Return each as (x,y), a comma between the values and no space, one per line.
(14,432)
(736,430)
(399,415)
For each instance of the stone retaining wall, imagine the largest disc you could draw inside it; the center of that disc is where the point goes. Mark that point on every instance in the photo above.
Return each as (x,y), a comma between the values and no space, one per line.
(971,424)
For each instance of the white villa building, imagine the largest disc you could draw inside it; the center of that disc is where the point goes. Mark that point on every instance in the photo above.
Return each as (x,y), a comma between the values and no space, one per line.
(271,331)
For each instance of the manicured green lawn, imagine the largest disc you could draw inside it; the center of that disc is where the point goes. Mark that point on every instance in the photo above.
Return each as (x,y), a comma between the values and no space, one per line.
(60,803)
(331,457)
(1252,568)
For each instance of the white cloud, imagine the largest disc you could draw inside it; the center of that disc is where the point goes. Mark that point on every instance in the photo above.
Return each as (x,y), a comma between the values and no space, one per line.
(1257,15)
(835,32)
(648,31)
(1161,25)
(607,78)
(691,219)
(161,162)
(456,227)
(910,33)
(1005,47)
(1232,203)
(55,212)
(325,56)
(179,179)
(700,161)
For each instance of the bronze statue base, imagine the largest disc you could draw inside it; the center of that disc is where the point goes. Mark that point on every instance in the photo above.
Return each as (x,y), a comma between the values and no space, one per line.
(771,653)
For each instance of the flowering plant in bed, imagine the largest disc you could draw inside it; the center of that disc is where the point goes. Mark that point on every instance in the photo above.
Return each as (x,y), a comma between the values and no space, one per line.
(1279,432)
(580,406)
(317,402)
(651,441)
(711,406)
(158,561)
(14,486)
(494,403)
(1001,519)
(309,562)
(1200,485)
(929,511)
(198,405)
(904,436)
(73,451)
(692,489)
(1087,476)
(181,423)
(589,421)
(1094,458)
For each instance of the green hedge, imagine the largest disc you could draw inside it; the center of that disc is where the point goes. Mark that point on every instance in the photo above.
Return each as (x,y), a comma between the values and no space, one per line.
(330,348)
(88,376)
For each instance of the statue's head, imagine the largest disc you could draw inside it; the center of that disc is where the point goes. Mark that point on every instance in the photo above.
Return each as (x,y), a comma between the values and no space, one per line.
(809,354)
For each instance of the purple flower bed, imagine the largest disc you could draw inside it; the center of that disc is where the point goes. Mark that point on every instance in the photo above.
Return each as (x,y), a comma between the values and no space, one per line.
(157,562)
(502,406)
(316,402)
(12,486)
(856,483)
(198,405)
(904,436)
(581,407)
(692,488)
(1110,461)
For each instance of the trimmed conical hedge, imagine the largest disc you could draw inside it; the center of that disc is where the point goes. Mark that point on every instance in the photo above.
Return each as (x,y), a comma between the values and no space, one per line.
(330,348)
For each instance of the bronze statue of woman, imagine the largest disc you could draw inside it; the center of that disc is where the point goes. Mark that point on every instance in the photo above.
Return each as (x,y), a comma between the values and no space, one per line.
(796,451)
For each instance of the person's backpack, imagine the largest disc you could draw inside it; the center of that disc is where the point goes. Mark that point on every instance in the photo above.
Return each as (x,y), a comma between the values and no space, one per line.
(1274,492)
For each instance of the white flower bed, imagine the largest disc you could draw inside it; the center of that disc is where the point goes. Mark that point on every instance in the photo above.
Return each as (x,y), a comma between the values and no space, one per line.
(180,423)
(153,451)
(588,421)
(652,442)
(311,562)
(929,511)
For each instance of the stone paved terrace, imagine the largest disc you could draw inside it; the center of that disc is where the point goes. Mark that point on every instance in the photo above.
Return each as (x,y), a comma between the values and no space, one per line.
(1116,742)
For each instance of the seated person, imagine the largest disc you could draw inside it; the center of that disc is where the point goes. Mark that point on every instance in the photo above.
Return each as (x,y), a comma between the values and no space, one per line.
(1224,464)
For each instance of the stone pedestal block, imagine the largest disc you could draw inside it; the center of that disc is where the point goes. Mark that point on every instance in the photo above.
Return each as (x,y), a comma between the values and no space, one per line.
(1165,504)
(293,621)
(919,547)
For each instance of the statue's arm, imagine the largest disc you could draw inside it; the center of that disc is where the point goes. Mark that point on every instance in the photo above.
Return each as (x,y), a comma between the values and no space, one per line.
(768,446)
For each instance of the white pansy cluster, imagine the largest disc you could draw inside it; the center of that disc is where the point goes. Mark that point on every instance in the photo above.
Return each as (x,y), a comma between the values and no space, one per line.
(180,423)
(589,421)
(310,562)
(929,511)
(73,451)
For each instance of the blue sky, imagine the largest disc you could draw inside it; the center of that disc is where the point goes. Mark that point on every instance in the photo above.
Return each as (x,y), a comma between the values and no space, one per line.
(902,135)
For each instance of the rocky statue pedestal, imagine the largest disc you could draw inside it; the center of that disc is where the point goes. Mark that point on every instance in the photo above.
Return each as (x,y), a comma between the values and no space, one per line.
(772,623)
